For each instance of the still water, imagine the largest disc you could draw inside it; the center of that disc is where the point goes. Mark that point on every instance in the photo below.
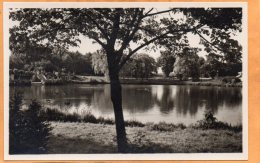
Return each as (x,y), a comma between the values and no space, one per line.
(145,103)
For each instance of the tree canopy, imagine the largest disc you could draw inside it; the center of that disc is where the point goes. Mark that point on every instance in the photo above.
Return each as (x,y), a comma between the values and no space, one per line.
(115,28)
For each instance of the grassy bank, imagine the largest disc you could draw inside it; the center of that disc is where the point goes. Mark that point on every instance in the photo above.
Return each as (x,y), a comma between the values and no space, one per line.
(73,133)
(78,137)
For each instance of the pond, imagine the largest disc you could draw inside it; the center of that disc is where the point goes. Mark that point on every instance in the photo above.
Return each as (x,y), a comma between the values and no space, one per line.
(146,103)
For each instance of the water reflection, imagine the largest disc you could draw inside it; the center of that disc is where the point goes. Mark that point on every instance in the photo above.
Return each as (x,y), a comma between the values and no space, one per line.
(170,103)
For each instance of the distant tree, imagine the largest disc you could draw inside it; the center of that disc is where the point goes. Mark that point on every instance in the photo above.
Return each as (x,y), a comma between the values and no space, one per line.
(201,63)
(166,61)
(19,59)
(187,65)
(16,62)
(139,66)
(99,63)
(215,66)
(77,63)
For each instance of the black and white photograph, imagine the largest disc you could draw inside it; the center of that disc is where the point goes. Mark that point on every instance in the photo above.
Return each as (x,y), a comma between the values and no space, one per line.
(156,81)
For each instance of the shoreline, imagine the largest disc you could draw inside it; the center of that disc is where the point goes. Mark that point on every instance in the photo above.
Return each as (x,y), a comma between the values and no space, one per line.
(220,82)
(159,81)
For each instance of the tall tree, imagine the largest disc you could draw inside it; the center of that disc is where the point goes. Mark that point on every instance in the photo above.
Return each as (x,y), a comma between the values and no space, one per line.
(139,66)
(99,63)
(187,64)
(166,61)
(115,29)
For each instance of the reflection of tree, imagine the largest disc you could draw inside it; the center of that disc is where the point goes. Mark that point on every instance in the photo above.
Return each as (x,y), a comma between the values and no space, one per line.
(230,97)
(137,99)
(57,96)
(233,97)
(101,99)
(214,99)
(189,99)
(166,104)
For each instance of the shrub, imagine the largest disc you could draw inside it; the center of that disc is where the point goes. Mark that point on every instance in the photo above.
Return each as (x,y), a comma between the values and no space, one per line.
(231,80)
(211,122)
(103,120)
(134,123)
(56,115)
(28,131)
(162,126)
(88,117)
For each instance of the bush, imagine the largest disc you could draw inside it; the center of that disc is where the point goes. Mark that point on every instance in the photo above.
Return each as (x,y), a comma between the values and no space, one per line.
(162,126)
(56,115)
(89,117)
(211,122)
(103,120)
(231,80)
(134,123)
(28,131)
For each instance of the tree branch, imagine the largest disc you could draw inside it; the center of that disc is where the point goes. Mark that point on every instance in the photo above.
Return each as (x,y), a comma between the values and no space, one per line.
(156,13)
(210,43)
(154,39)
(99,42)
(149,11)
(99,27)
(129,36)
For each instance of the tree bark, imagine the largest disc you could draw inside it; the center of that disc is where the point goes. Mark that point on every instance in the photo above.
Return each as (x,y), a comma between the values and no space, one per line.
(116,97)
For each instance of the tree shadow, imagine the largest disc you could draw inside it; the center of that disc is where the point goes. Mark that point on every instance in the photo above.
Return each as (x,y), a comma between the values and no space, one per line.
(63,145)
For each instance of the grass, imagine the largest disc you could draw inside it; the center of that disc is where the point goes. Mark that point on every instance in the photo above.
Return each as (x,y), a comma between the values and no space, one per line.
(78,137)
(71,134)
(162,126)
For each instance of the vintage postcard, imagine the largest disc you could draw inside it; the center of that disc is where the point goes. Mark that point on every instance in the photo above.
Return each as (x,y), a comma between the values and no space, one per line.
(125,81)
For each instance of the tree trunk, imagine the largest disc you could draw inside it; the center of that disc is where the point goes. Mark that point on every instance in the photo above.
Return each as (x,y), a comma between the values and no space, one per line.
(116,97)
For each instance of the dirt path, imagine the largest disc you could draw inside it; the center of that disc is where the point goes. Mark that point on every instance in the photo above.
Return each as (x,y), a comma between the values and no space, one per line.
(99,138)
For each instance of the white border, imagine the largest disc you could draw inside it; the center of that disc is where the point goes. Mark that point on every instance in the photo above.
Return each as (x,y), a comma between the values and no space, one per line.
(172,156)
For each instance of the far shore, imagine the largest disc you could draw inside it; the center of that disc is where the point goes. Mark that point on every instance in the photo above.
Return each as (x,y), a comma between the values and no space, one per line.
(80,137)
(158,81)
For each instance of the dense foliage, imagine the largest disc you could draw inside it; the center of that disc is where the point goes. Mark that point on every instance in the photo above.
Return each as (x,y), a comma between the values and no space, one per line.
(166,61)
(187,65)
(28,131)
(51,60)
(139,66)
